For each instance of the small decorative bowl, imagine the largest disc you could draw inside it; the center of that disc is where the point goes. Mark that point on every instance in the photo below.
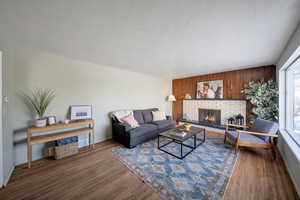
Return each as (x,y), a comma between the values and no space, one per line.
(187,126)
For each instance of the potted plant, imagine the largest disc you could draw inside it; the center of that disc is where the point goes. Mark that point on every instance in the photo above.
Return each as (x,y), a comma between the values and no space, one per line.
(39,100)
(264,97)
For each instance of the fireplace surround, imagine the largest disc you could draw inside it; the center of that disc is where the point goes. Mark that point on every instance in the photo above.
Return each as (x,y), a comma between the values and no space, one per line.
(227,108)
(209,116)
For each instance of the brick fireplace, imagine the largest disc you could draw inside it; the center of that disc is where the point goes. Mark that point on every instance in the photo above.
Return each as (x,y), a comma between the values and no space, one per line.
(214,112)
(209,116)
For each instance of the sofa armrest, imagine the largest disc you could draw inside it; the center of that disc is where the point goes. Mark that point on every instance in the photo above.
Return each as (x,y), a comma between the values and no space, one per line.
(120,133)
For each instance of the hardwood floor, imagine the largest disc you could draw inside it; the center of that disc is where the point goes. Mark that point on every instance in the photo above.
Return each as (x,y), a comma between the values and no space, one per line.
(98,175)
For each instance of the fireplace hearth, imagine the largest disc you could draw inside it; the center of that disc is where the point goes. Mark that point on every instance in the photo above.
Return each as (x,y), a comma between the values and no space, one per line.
(209,117)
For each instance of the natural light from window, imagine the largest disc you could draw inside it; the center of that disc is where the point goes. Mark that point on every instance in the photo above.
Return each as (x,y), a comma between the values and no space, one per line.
(293,101)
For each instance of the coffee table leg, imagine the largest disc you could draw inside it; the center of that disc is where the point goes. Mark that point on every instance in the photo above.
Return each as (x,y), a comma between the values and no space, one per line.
(181,150)
(158,142)
(204,135)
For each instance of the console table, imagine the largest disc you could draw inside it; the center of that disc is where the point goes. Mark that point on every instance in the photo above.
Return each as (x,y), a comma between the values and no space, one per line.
(48,137)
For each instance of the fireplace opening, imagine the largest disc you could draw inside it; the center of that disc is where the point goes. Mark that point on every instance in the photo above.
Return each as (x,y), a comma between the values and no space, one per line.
(209,116)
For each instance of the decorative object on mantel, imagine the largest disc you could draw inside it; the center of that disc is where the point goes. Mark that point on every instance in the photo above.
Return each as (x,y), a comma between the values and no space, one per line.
(239,119)
(51,120)
(231,120)
(210,90)
(264,97)
(187,96)
(171,98)
(39,100)
(80,112)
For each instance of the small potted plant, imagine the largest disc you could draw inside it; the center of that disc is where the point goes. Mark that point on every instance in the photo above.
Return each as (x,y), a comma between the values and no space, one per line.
(39,100)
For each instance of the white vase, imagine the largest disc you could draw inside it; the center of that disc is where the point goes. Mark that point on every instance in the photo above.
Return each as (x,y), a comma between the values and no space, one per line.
(40,123)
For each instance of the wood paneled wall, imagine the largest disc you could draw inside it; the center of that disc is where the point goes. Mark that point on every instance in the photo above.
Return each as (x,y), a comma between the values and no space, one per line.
(233,83)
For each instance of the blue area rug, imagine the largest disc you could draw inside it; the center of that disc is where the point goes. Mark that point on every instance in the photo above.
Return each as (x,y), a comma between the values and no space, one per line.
(203,174)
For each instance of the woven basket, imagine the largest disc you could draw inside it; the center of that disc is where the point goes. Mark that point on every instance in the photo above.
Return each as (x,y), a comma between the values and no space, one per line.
(65,150)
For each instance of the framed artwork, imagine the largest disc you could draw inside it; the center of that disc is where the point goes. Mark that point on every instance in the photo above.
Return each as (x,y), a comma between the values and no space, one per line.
(80,112)
(51,120)
(210,90)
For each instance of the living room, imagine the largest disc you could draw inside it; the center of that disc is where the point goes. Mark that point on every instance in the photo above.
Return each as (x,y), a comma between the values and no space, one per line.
(150,100)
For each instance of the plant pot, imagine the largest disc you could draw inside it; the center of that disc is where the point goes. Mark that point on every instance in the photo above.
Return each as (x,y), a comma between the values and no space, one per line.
(40,122)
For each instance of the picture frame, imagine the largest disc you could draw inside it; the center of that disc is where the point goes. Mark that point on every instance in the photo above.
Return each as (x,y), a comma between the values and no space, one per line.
(210,89)
(51,120)
(80,112)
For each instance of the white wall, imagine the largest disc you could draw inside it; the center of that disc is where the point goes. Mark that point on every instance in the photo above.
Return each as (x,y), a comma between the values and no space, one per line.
(78,83)
(286,145)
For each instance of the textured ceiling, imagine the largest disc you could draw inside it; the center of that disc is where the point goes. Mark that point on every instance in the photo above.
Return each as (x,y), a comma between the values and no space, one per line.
(171,38)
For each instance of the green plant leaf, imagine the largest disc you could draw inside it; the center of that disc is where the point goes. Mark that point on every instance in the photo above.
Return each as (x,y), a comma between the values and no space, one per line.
(39,100)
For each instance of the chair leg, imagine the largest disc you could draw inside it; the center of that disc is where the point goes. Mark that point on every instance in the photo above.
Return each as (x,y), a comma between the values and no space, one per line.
(224,139)
(236,147)
(274,152)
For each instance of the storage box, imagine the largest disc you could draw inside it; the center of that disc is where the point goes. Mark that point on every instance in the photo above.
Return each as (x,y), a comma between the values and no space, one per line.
(65,150)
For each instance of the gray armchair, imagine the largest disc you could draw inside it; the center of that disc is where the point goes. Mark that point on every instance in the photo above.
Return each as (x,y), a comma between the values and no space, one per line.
(260,135)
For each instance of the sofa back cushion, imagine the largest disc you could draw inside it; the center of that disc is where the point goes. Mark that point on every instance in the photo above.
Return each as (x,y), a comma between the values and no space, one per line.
(147,115)
(138,116)
(264,126)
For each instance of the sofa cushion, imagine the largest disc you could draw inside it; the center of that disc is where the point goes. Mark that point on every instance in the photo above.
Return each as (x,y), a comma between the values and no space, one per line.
(164,123)
(264,126)
(158,115)
(147,114)
(245,137)
(142,130)
(138,116)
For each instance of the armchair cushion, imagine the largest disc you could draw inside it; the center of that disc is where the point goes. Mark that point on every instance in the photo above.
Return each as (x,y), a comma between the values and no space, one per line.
(264,126)
(245,137)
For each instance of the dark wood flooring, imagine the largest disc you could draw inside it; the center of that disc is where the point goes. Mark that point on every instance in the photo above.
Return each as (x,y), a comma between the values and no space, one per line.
(99,175)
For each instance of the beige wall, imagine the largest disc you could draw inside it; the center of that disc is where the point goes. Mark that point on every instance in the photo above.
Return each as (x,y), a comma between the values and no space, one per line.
(78,83)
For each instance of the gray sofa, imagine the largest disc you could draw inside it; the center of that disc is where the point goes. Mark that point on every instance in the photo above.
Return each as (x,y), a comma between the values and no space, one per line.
(148,129)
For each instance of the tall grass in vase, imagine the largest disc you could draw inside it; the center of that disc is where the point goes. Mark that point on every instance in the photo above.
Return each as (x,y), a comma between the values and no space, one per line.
(39,100)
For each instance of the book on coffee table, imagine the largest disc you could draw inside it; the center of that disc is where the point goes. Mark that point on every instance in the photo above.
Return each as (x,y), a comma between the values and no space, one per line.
(179,133)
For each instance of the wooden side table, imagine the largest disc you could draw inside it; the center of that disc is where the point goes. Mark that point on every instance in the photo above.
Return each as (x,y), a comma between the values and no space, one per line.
(88,129)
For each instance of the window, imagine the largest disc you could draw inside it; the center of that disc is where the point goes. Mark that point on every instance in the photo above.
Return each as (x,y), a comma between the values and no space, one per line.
(293,100)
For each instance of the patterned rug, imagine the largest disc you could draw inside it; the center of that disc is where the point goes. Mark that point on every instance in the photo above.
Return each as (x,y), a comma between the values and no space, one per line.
(203,174)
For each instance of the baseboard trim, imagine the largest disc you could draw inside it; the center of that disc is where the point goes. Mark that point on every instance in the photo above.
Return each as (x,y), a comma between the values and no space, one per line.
(288,171)
(8,177)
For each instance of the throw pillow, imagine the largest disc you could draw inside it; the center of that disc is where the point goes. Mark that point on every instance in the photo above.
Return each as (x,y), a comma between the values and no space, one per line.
(119,114)
(158,115)
(129,119)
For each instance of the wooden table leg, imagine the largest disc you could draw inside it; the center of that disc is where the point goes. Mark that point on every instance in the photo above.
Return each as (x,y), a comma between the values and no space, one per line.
(93,140)
(90,139)
(29,150)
